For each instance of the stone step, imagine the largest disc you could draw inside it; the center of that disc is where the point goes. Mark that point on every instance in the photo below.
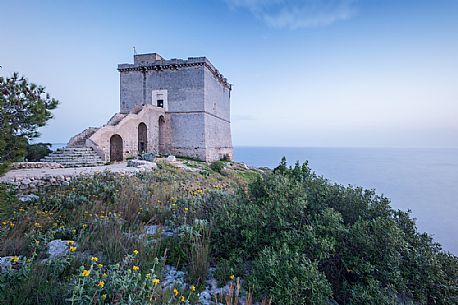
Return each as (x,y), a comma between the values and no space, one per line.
(81,162)
(71,157)
(72,160)
(75,149)
(75,157)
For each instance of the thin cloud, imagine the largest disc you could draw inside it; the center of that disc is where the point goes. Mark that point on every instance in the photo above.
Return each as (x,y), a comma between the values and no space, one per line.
(297,14)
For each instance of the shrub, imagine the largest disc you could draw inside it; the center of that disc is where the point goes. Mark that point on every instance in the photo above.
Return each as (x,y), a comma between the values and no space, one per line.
(217,166)
(290,235)
(369,253)
(36,152)
(289,278)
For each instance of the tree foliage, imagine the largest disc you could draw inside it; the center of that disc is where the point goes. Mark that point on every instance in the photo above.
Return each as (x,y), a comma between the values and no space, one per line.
(24,107)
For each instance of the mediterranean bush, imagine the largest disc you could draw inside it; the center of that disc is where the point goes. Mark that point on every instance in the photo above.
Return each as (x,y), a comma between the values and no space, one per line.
(367,252)
(290,236)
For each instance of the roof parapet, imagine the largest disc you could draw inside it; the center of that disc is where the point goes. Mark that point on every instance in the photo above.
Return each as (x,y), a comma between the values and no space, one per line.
(153,61)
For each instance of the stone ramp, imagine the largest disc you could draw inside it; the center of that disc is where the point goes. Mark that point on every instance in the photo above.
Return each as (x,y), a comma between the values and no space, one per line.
(79,140)
(75,157)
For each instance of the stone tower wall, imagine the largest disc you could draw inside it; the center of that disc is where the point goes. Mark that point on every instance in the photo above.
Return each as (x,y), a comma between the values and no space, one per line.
(185,88)
(198,102)
(218,138)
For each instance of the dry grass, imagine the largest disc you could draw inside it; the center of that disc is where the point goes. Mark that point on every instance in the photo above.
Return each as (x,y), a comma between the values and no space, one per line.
(200,246)
(233,296)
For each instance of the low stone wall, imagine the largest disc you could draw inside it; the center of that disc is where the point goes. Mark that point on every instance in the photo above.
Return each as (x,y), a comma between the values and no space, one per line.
(33,179)
(26,165)
(32,184)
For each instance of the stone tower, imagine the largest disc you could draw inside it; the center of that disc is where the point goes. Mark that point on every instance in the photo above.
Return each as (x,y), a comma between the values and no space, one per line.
(194,96)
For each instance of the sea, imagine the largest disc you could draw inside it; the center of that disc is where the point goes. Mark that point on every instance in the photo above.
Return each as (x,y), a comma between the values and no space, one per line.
(422,180)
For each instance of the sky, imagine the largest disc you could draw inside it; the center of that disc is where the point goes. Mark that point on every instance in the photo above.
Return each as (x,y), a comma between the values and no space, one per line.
(329,73)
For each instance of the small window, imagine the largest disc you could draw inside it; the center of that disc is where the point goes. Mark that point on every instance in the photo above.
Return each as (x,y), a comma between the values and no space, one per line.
(159,99)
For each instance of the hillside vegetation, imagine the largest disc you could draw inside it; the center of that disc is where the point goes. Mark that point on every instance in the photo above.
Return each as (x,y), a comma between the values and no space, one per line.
(285,237)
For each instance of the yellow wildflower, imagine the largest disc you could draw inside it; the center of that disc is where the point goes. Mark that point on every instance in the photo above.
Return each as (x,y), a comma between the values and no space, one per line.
(94,259)
(84,226)
(14,259)
(186,210)
(193,288)
(156,281)
(100,265)
(11,225)
(232,277)
(70,243)
(85,273)
(101,284)
(135,252)
(72,248)
(182,298)
(175,291)
(135,268)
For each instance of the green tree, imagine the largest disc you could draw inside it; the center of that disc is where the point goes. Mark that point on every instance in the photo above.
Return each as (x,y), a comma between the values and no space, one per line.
(24,107)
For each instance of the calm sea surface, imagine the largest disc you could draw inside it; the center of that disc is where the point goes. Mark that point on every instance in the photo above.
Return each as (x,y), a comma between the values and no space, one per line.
(422,180)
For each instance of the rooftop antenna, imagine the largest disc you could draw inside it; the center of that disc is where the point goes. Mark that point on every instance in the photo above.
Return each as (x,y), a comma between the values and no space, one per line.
(135,51)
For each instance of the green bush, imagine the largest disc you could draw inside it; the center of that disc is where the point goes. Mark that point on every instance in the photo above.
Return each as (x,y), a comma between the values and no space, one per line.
(288,278)
(36,152)
(368,252)
(217,166)
(290,235)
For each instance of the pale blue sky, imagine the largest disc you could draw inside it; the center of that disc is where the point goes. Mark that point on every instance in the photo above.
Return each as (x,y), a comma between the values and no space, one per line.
(305,73)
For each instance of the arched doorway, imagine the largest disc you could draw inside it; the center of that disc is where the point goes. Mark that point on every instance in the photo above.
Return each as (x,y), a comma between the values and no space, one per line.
(116,148)
(161,135)
(142,138)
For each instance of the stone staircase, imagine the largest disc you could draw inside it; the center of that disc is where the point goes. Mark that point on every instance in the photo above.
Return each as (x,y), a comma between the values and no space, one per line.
(74,157)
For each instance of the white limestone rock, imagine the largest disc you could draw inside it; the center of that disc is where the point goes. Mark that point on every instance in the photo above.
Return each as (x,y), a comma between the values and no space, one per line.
(5,263)
(28,198)
(173,278)
(58,248)
(142,164)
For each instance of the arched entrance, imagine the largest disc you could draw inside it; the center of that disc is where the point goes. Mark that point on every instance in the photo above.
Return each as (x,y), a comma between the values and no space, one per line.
(142,138)
(116,148)
(161,135)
